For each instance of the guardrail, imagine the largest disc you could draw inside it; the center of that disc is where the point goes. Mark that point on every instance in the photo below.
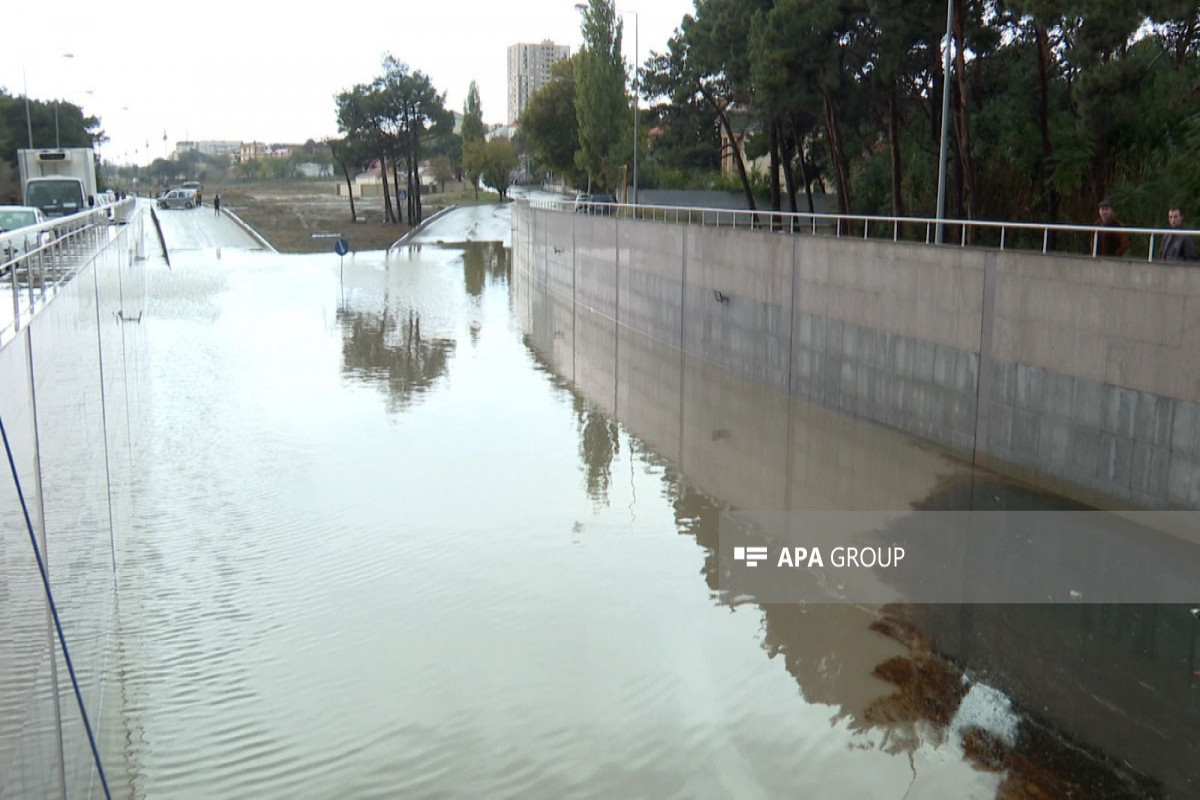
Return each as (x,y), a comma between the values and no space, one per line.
(36,261)
(1025,236)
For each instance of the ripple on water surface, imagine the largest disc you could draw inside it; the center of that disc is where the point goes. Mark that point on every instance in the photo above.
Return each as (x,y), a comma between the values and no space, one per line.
(375,559)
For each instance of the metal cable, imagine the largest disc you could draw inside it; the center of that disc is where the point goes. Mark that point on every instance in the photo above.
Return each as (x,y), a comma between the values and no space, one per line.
(62,639)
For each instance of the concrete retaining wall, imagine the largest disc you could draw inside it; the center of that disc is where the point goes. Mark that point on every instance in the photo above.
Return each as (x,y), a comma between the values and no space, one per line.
(1078,374)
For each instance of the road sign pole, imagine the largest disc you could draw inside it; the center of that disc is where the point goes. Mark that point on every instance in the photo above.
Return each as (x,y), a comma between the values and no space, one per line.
(341,247)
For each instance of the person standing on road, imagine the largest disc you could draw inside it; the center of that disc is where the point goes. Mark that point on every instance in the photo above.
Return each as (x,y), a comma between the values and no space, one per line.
(1109,244)
(1177,246)
(217,205)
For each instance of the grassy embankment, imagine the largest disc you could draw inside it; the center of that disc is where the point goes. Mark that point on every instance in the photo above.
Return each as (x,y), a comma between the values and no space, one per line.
(299,217)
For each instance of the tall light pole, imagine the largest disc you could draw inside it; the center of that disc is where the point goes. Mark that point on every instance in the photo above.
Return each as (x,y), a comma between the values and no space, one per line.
(28,123)
(941,194)
(57,141)
(636,99)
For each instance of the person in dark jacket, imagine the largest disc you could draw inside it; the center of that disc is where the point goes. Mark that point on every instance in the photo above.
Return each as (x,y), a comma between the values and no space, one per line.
(217,205)
(1109,244)
(1177,246)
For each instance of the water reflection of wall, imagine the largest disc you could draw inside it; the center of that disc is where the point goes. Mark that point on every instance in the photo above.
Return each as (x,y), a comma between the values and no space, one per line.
(1076,373)
(732,442)
(71,400)
(737,439)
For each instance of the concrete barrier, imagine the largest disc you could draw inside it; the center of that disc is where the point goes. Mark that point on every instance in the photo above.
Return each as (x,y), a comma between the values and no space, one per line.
(1080,375)
(421,226)
(255,235)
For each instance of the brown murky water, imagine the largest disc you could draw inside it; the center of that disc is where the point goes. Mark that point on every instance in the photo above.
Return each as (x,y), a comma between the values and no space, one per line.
(402,536)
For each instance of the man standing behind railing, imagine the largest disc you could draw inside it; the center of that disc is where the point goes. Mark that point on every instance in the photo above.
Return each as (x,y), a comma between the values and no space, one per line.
(1177,246)
(1109,244)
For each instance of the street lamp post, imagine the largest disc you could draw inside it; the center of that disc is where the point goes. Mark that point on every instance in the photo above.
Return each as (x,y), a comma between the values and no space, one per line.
(941,193)
(28,119)
(636,101)
(57,140)
(28,122)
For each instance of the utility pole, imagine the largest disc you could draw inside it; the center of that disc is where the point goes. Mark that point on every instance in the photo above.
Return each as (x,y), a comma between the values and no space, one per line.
(28,123)
(941,195)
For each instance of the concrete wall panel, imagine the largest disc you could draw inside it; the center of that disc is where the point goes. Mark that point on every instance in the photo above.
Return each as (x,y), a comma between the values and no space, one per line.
(1081,374)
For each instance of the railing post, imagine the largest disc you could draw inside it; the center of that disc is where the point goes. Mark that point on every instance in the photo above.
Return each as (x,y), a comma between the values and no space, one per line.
(896,230)
(1045,241)
(926,233)
(16,293)
(1150,255)
(1002,230)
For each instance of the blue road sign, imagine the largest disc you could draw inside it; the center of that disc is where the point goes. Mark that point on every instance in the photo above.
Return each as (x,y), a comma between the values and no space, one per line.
(341,247)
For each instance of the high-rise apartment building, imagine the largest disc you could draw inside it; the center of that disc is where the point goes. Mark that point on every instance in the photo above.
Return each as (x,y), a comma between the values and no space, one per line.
(529,70)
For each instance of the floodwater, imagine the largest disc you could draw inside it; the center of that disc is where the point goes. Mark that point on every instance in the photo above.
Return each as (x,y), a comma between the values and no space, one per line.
(398,538)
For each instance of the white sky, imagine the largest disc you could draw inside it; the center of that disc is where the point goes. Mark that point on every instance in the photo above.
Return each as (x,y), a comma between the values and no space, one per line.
(269,71)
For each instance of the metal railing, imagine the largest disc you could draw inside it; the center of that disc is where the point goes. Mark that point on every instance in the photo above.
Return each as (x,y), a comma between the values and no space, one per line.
(1025,236)
(35,262)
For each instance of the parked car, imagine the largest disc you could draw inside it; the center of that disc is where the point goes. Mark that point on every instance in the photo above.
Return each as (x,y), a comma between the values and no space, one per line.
(196,187)
(602,203)
(14,243)
(594,203)
(178,198)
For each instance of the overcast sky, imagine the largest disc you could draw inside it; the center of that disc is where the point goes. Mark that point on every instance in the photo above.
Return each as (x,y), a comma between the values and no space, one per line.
(248,71)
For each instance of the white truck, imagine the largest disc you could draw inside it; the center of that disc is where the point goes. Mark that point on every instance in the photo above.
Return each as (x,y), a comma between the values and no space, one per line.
(58,181)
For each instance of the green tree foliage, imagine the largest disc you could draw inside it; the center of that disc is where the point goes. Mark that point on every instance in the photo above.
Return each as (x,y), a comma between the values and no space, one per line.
(708,60)
(550,123)
(351,157)
(1053,104)
(493,161)
(395,117)
(499,161)
(473,129)
(602,108)
(361,118)
(443,171)
(474,160)
(415,113)
(75,128)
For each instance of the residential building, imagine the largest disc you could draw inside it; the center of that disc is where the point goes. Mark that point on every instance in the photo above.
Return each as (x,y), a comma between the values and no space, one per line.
(743,127)
(369,183)
(529,70)
(251,150)
(210,149)
(501,132)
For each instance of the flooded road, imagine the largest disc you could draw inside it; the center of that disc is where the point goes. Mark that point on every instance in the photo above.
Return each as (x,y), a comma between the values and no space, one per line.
(397,538)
